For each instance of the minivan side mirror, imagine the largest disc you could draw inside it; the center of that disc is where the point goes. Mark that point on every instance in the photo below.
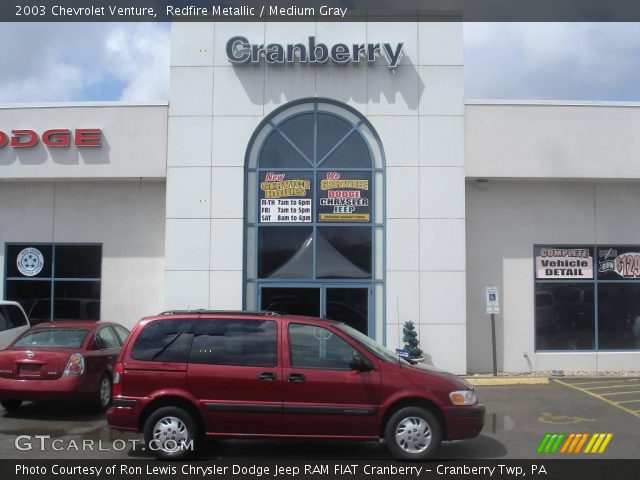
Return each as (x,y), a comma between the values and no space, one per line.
(360,364)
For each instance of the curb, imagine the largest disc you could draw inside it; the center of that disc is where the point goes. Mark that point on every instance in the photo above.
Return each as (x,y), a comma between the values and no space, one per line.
(508,381)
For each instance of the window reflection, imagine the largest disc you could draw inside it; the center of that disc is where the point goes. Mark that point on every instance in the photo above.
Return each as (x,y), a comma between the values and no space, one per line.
(619,316)
(344,252)
(352,152)
(285,252)
(331,130)
(300,130)
(564,317)
(278,153)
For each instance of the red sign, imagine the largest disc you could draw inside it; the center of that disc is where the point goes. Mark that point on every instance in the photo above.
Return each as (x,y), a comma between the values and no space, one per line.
(59,137)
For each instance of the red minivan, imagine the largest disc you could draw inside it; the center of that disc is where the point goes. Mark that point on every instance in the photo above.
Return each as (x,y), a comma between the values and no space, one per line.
(184,374)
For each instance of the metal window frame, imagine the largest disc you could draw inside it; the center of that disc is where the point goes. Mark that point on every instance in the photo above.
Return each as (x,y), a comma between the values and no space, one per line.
(594,281)
(53,279)
(360,123)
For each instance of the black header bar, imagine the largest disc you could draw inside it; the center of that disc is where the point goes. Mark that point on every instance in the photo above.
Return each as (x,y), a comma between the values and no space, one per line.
(320,10)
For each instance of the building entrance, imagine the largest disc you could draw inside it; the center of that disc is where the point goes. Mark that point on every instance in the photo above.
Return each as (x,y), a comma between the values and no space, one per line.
(348,304)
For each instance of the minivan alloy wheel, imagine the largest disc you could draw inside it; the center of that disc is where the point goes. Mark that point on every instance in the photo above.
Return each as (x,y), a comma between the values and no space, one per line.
(169,433)
(413,435)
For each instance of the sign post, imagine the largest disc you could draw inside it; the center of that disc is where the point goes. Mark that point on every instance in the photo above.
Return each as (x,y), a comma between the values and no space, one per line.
(493,307)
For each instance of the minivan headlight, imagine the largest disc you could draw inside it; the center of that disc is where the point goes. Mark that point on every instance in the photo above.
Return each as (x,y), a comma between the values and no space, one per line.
(463,397)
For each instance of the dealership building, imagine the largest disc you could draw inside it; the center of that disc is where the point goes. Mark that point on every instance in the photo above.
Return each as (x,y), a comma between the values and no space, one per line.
(335,170)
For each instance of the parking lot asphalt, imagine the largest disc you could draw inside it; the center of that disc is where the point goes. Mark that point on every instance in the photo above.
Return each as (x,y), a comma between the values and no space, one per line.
(518,419)
(622,393)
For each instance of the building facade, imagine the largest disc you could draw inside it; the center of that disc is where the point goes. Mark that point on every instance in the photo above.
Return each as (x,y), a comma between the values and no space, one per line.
(334,170)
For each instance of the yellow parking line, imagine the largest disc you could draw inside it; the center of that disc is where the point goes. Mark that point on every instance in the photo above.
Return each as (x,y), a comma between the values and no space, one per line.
(628,401)
(604,381)
(611,386)
(635,413)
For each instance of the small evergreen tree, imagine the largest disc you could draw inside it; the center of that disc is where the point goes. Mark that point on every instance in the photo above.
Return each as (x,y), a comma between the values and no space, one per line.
(410,339)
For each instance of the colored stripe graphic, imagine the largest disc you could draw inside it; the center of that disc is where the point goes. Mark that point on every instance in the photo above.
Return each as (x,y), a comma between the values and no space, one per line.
(567,442)
(551,442)
(598,442)
(543,443)
(556,445)
(573,443)
(582,441)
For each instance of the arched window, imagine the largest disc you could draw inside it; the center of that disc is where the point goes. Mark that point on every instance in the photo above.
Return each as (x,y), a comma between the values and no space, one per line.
(314,212)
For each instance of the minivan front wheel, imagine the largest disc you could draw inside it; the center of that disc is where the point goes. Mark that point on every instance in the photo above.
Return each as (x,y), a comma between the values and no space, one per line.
(170,433)
(413,433)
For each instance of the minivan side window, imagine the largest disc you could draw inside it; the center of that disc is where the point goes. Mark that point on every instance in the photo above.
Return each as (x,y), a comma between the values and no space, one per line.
(249,343)
(164,341)
(318,347)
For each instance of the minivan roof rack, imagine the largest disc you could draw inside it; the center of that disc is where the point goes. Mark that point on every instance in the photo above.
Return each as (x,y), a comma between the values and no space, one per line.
(265,313)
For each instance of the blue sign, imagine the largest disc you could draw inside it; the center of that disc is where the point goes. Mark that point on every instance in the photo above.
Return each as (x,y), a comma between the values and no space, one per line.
(402,353)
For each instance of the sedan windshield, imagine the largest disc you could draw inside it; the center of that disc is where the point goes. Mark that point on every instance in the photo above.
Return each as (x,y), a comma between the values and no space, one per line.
(370,344)
(53,338)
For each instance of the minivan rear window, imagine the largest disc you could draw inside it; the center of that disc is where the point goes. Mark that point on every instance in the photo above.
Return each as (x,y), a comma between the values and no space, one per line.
(234,342)
(52,338)
(164,341)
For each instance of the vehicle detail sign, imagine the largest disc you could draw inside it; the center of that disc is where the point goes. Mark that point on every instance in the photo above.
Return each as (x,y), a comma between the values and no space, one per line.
(344,197)
(285,197)
(554,263)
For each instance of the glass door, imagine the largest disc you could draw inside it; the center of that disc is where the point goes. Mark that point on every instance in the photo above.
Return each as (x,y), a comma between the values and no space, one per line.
(292,300)
(343,302)
(349,305)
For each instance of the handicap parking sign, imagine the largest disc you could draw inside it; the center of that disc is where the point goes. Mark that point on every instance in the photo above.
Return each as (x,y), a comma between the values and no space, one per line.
(493,305)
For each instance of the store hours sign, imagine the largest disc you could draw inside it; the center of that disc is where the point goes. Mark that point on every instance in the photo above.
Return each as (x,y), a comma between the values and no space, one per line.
(285,197)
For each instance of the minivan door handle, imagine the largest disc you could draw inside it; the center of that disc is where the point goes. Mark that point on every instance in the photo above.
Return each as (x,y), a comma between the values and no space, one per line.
(267,377)
(295,378)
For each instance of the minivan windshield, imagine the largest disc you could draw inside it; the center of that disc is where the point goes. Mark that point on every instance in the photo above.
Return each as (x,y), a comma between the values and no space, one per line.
(370,344)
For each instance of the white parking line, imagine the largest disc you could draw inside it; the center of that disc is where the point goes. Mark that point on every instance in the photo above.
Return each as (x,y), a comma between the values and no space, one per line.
(615,393)
(601,397)
(603,381)
(610,386)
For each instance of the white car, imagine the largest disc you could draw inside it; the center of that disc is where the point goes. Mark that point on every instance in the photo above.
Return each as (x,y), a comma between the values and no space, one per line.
(13,321)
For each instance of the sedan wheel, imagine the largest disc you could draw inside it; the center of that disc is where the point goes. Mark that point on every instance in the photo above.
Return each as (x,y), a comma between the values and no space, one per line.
(105,392)
(103,398)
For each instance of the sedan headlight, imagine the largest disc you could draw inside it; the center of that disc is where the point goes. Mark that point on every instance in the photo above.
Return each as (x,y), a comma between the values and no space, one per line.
(463,397)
